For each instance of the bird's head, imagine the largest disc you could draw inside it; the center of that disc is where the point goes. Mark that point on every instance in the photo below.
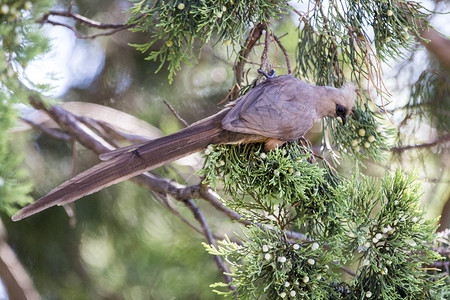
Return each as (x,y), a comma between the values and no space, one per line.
(344,101)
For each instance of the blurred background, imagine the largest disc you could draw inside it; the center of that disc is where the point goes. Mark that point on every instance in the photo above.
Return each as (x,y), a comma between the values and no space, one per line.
(126,244)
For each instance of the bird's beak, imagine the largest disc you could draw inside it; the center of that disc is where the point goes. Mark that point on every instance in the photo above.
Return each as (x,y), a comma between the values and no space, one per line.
(344,119)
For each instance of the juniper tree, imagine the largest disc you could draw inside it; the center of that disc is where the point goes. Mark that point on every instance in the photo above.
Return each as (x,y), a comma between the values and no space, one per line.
(314,225)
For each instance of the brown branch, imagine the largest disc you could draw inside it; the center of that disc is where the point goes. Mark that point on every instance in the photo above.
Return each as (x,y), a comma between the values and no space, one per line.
(209,237)
(348,271)
(286,55)
(82,19)
(109,132)
(85,21)
(302,16)
(253,37)
(438,45)
(440,140)
(51,132)
(15,278)
(89,36)
(265,54)
(173,210)
(175,113)
(433,41)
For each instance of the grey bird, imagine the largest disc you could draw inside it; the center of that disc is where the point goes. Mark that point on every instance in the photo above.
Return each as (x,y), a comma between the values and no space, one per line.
(278,110)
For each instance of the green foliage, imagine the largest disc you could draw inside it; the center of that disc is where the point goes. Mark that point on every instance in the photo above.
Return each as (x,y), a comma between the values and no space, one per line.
(269,264)
(257,181)
(182,26)
(338,36)
(388,227)
(14,189)
(20,44)
(363,136)
(335,42)
(430,99)
(379,225)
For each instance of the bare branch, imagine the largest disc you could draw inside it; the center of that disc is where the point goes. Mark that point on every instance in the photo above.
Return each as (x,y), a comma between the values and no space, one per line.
(51,132)
(209,237)
(440,140)
(82,19)
(85,37)
(186,124)
(253,37)
(348,271)
(173,210)
(286,55)
(265,54)
(85,21)
(14,276)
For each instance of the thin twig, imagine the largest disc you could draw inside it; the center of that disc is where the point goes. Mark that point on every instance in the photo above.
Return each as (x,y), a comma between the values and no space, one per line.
(70,208)
(209,237)
(265,53)
(174,211)
(253,37)
(286,55)
(232,90)
(348,271)
(15,278)
(175,113)
(85,21)
(51,132)
(82,19)
(207,194)
(89,36)
(440,140)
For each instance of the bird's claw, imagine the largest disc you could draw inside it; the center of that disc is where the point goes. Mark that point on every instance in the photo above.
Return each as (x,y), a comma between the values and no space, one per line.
(270,75)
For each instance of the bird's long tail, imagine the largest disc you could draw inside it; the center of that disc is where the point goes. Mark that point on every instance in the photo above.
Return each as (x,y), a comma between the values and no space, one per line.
(132,163)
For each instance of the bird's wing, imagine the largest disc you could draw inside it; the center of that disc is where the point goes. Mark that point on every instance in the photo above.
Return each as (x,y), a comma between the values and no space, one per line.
(276,108)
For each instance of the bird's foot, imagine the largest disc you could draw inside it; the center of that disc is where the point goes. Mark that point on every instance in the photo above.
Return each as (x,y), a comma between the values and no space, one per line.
(270,75)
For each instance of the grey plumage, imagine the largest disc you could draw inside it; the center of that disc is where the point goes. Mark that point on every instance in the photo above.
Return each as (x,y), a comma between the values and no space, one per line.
(279,109)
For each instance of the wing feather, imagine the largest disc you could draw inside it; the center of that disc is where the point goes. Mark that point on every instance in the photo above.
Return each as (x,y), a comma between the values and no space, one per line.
(272,109)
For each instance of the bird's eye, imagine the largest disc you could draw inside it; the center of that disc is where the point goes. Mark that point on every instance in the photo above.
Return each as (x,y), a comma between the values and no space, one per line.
(340,110)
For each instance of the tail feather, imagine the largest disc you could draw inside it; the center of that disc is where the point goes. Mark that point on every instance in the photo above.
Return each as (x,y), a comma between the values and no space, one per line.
(130,164)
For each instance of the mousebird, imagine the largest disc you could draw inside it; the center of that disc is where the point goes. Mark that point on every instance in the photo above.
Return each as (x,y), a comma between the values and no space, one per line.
(278,110)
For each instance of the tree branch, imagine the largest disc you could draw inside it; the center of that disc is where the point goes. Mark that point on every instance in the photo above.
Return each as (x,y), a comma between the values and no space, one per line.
(51,132)
(436,44)
(85,21)
(209,237)
(253,37)
(286,55)
(175,113)
(442,139)
(15,278)
(265,54)
(82,19)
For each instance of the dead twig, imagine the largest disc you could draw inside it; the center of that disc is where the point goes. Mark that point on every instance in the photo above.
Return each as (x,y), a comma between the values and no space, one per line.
(175,113)
(286,55)
(253,37)
(440,140)
(51,132)
(265,65)
(209,237)
(174,211)
(113,28)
